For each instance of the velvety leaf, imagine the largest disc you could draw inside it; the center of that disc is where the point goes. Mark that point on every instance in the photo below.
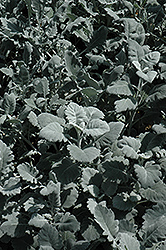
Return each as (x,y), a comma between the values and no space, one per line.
(7,71)
(90,233)
(135,51)
(99,37)
(51,187)
(33,205)
(52,132)
(33,119)
(9,103)
(28,172)
(68,222)
(124,104)
(69,195)
(76,114)
(155,193)
(9,226)
(11,186)
(96,128)
(6,156)
(37,220)
(113,74)
(111,13)
(27,54)
(152,58)
(154,225)
(157,93)
(149,174)
(128,242)
(49,236)
(83,155)
(46,118)
(106,219)
(73,64)
(134,30)
(93,113)
(87,174)
(115,170)
(110,137)
(149,76)
(109,187)
(119,88)
(67,171)
(41,86)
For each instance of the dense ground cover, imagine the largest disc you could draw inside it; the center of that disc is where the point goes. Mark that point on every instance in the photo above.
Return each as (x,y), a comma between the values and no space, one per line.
(83,125)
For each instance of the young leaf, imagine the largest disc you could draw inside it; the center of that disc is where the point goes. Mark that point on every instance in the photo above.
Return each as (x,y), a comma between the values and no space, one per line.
(73,64)
(27,172)
(33,119)
(53,132)
(149,76)
(90,234)
(93,113)
(49,236)
(83,155)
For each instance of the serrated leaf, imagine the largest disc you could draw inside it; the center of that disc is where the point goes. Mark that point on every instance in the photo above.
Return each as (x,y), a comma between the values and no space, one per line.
(76,114)
(33,119)
(73,64)
(119,88)
(106,219)
(128,242)
(69,195)
(90,233)
(83,155)
(93,113)
(9,103)
(155,193)
(7,71)
(124,104)
(49,236)
(87,174)
(68,222)
(115,170)
(46,118)
(96,128)
(154,225)
(67,171)
(6,156)
(109,187)
(11,186)
(149,76)
(33,205)
(110,137)
(52,132)
(135,52)
(41,86)
(9,226)
(28,172)
(151,58)
(51,187)
(157,93)
(149,174)
(99,37)
(37,220)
